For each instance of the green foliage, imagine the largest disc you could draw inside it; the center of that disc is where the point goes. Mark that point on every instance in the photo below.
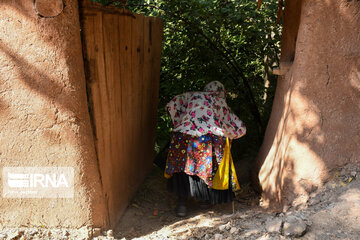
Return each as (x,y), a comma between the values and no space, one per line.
(225,40)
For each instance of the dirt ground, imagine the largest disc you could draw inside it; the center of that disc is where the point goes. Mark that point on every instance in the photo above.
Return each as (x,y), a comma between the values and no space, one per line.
(332,212)
(152,210)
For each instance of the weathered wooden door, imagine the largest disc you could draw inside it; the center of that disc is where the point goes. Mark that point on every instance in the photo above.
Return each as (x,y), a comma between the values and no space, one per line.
(122,64)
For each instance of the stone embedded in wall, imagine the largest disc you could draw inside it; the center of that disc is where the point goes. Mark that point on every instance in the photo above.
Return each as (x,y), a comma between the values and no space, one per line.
(48,8)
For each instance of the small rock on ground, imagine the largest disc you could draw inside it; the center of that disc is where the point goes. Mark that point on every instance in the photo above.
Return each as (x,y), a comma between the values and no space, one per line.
(294,227)
(273,225)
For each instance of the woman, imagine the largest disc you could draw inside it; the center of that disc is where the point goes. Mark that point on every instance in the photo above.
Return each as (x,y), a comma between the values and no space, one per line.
(202,123)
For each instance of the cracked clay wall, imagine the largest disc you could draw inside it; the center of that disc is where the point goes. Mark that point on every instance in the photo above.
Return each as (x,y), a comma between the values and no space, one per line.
(44,120)
(315,125)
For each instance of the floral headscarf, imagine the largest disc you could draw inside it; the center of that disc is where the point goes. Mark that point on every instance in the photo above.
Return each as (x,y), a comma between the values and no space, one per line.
(217,88)
(199,113)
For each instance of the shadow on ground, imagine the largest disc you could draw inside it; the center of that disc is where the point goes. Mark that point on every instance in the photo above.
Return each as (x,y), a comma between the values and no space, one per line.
(152,210)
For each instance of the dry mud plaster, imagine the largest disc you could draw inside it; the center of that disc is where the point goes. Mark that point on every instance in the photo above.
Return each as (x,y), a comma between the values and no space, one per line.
(314,126)
(44,119)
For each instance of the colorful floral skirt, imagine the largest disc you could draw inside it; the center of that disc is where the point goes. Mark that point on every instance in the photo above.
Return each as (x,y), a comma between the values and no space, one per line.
(192,164)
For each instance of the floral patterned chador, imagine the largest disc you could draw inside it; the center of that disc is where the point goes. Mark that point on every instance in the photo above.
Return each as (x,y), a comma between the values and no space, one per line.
(200,113)
(202,122)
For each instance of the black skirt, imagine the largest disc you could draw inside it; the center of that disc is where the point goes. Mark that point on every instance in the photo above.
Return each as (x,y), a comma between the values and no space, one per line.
(185,186)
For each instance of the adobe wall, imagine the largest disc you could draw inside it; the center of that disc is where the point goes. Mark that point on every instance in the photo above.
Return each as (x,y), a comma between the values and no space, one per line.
(315,125)
(44,120)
